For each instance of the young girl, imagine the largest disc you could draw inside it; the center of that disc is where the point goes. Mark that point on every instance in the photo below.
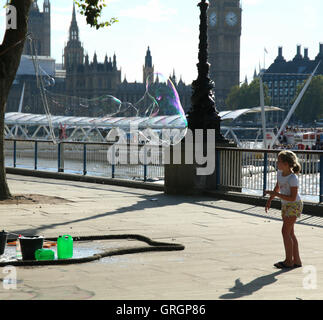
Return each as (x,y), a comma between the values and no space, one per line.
(292,205)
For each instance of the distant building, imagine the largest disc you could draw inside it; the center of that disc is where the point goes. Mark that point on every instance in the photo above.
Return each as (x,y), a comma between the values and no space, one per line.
(77,76)
(283,77)
(39,27)
(85,78)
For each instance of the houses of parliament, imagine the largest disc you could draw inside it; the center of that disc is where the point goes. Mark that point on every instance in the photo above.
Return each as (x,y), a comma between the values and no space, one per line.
(78,76)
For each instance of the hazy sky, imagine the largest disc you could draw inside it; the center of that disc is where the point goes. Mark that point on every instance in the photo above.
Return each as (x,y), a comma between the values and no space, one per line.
(170,28)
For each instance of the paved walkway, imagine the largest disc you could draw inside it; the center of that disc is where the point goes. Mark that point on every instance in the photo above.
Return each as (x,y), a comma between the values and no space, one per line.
(230,247)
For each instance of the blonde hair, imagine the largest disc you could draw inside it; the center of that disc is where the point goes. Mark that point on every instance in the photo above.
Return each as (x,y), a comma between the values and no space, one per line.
(292,160)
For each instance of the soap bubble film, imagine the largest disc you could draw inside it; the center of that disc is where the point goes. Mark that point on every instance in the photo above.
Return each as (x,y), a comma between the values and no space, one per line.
(158,113)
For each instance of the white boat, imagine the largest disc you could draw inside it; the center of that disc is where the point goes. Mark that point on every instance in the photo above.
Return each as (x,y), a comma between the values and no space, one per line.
(301,140)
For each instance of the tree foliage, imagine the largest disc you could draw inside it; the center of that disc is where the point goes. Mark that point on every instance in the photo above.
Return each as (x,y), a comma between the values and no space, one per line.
(311,105)
(92,10)
(246,96)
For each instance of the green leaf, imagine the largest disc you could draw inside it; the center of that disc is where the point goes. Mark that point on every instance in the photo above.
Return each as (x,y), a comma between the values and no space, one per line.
(92,10)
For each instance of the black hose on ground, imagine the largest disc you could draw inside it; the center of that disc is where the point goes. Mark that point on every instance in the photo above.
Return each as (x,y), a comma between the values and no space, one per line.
(154,246)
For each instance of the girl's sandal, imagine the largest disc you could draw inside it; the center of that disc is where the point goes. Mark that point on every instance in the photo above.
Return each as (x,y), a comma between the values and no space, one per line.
(282,265)
(297,265)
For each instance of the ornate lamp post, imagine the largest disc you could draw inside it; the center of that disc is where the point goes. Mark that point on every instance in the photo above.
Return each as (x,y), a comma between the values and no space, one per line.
(182,177)
(203,113)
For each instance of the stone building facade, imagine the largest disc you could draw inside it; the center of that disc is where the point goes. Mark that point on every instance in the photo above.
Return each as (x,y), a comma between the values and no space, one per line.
(39,28)
(283,77)
(81,76)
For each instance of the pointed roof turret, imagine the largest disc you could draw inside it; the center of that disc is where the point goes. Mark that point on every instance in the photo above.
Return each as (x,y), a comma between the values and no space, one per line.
(114,62)
(255,75)
(95,58)
(74,14)
(73,51)
(148,59)
(46,7)
(35,5)
(181,82)
(74,29)
(106,63)
(173,78)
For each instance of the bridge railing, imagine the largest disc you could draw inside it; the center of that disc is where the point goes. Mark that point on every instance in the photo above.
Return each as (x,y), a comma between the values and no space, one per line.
(247,170)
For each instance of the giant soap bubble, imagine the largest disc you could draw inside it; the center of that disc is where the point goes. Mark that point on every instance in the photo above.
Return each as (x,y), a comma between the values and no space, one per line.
(156,117)
(165,120)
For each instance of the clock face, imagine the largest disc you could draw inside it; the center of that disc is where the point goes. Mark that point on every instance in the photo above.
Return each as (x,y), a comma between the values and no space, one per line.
(231,19)
(213,19)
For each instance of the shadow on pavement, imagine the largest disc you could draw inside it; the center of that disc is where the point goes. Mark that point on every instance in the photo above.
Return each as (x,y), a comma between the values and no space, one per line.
(241,290)
(146,202)
(311,221)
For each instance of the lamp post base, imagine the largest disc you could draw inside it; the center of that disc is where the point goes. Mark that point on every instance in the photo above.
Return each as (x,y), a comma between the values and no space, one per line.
(190,170)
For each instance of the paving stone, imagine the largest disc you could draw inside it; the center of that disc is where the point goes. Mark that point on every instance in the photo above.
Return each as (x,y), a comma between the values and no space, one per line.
(230,248)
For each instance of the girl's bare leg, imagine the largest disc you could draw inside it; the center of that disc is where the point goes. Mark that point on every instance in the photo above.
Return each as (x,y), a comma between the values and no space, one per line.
(297,259)
(288,241)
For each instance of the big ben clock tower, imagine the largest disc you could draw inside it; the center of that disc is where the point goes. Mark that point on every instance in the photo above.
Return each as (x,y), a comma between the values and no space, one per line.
(224,20)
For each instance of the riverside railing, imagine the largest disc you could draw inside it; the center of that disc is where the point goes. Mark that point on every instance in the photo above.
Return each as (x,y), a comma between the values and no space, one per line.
(255,170)
(247,170)
(84,158)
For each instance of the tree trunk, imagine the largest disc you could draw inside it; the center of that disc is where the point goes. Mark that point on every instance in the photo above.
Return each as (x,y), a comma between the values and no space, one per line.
(10,54)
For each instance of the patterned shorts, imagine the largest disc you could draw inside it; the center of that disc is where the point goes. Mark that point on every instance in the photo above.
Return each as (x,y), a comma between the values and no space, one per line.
(292,209)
